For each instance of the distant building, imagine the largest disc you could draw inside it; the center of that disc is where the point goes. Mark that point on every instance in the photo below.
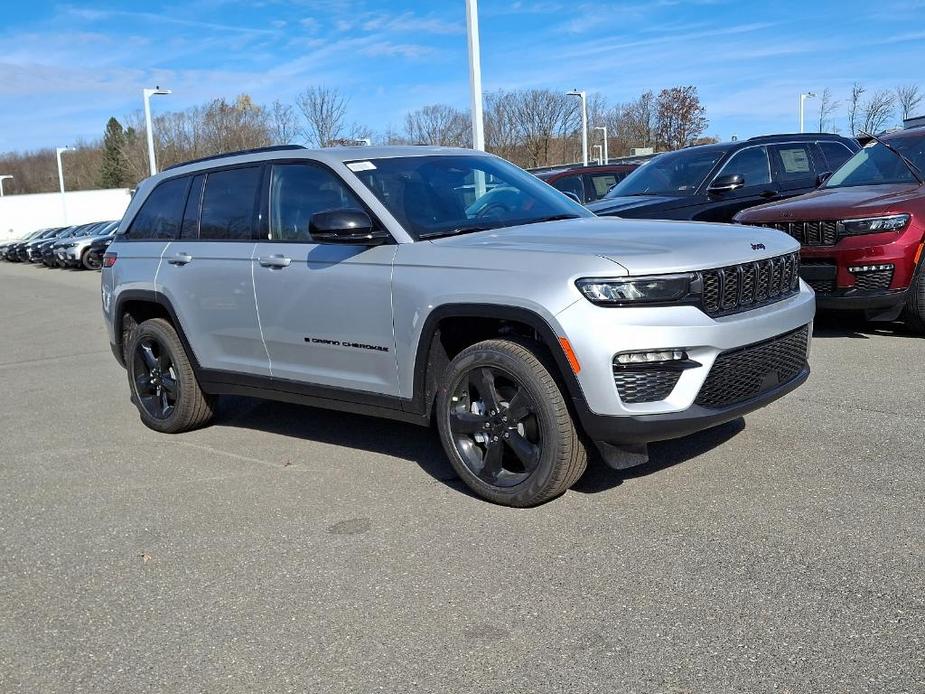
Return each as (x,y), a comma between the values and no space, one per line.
(915,122)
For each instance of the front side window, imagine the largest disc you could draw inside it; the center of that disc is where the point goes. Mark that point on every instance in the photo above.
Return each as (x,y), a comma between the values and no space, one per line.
(441,195)
(877,165)
(570,184)
(752,164)
(228,204)
(159,216)
(672,173)
(297,191)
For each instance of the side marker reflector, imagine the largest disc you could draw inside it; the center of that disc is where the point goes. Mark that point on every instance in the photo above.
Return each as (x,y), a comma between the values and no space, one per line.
(570,355)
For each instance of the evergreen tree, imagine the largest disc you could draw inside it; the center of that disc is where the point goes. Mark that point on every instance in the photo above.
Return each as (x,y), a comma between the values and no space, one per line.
(114,169)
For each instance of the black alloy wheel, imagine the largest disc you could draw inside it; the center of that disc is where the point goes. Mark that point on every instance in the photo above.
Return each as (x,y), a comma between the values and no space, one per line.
(494,426)
(154,376)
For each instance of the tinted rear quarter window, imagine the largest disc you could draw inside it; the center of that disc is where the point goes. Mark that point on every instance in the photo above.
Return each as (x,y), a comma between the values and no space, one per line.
(159,216)
(835,153)
(229,203)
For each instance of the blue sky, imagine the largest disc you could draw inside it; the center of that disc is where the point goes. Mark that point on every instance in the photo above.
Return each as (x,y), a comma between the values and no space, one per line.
(66,67)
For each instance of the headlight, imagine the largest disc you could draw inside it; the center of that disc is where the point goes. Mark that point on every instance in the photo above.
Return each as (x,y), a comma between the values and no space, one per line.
(638,290)
(872,225)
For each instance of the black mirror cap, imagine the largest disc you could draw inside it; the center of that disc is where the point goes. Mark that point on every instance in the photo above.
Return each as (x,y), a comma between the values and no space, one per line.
(823,177)
(347,226)
(727,183)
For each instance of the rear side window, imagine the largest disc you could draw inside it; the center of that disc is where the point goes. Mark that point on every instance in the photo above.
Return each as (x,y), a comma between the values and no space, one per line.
(835,153)
(604,182)
(229,203)
(159,216)
(794,166)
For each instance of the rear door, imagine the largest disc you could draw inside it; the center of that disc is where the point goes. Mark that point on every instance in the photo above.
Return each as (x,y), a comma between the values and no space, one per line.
(794,169)
(325,310)
(206,272)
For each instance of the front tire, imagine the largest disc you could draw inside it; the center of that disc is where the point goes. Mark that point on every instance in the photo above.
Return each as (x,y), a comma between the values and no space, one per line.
(162,382)
(505,425)
(914,311)
(90,260)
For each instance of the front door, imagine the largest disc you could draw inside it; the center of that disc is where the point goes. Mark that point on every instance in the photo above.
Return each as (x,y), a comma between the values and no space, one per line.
(325,310)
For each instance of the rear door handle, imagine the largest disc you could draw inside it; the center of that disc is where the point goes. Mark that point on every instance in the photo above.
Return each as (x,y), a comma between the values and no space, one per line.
(180,259)
(274,261)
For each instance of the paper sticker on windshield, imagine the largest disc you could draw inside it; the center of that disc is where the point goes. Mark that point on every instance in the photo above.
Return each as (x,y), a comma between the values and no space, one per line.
(361,166)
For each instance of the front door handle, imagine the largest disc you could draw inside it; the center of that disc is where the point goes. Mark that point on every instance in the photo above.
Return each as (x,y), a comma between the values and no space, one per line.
(274,261)
(180,259)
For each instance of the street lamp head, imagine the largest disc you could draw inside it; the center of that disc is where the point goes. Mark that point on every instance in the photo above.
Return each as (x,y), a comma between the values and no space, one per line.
(157,91)
(62,150)
(575,92)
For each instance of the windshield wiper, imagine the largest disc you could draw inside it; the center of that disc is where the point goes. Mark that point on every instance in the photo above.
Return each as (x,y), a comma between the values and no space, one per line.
(552,218)
(913,169)
(455,231)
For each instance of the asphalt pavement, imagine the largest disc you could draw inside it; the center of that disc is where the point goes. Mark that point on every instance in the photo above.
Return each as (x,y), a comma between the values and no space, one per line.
(291,549)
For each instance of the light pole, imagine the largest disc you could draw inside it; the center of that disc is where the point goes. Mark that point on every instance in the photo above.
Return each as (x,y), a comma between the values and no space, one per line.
(148,93)
(475,74)
(603,129)
(584,123)
(598,154)
(58,152)
(2,179)
(803,98)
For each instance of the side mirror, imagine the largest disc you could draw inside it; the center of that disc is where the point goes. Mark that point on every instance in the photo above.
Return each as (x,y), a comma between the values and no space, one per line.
(350,226)
(726,184)
(571,195)
(823,177)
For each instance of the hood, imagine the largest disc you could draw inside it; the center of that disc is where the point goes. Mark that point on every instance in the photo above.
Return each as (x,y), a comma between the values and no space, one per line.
(639,246)
(635,202)
(838,203)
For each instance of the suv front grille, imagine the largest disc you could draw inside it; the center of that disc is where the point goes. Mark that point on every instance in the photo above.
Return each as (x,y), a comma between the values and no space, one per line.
(819,233)
(649,385)
(746,372)
(872,281)
(750,285)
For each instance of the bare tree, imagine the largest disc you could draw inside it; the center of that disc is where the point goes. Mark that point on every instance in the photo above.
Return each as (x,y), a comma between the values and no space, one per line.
(877,110)
(857,90)
(680,117)
(827,106)
(908,97)
(438,124)
(324,109)
(638,121)
(502,134)
(284,124)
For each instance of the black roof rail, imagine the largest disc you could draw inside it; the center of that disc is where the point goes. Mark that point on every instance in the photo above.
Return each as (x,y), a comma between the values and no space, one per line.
(777,136)
(255,150)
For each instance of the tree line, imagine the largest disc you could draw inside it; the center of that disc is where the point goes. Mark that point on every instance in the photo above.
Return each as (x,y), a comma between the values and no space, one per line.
(869,112)
(531,127)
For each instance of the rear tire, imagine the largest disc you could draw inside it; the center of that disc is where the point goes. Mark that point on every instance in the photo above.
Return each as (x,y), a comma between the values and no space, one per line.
(162,382)
(90,261)
(505,425)
(914,311)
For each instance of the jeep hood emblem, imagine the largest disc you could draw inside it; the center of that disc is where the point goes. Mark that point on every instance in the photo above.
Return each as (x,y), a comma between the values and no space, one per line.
(758,247)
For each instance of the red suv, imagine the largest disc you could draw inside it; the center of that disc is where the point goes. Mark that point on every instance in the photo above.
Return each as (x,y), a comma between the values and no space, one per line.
(863,230)
(587,183)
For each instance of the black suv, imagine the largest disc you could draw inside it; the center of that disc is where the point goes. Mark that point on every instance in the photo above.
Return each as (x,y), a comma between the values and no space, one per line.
(711,183)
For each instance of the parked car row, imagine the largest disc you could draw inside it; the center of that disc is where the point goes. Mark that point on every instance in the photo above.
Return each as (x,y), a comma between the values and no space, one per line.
(81,246)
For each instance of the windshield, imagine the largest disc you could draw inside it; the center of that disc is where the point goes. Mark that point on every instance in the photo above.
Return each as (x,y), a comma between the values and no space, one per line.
(877,165)
(435,196)
(673,173)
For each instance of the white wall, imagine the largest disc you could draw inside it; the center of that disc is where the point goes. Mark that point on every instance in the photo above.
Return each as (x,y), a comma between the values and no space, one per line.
(22,214)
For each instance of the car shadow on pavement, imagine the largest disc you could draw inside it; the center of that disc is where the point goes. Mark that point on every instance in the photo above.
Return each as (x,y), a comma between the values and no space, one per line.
(853,325)
(421,445)
(662,455)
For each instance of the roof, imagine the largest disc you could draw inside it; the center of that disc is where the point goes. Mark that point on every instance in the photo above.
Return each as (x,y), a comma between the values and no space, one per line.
(331,155)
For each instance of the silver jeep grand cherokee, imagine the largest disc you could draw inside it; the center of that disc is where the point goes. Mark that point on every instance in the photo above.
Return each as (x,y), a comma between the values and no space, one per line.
(432,284)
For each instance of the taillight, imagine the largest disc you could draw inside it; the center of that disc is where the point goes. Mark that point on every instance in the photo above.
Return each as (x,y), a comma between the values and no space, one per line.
(109,259)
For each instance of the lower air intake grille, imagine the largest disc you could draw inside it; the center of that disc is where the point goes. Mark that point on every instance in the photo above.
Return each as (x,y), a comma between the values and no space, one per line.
(872,281)
(746,372)
(644,386)
(822,286)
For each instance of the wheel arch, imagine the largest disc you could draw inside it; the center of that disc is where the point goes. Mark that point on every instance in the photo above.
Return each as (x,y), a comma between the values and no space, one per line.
(134,306)
(439,342)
